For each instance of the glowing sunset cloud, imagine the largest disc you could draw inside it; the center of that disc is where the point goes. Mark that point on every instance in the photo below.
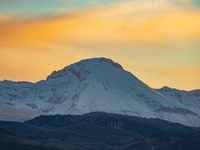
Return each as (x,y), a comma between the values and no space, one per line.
(158,41)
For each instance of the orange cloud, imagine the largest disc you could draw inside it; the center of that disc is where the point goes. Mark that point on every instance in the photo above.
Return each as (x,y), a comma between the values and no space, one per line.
(144,32)
(142,22)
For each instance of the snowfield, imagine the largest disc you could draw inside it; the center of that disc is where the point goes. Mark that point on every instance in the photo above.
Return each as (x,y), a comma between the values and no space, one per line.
(99,84)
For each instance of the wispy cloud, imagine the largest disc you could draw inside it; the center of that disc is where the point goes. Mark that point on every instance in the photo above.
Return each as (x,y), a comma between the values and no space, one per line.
(186,1)
(144,22)
(145,32)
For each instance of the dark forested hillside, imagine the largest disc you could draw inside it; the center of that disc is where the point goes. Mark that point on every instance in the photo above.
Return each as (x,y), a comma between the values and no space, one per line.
(130,123)
(99,131)
(9,141)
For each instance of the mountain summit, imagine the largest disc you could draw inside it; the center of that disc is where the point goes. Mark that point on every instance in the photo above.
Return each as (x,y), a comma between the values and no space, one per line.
(91,85)
(84,67)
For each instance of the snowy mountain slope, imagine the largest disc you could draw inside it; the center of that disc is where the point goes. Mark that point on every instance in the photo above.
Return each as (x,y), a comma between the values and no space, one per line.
(13,113)
(97,84)
(189,99)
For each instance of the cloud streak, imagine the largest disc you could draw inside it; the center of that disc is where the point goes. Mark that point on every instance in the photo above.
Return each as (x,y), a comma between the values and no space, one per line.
(150,30)
(143,22)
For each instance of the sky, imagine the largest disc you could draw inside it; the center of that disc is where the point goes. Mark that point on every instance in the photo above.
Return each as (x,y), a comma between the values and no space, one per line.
(158,41)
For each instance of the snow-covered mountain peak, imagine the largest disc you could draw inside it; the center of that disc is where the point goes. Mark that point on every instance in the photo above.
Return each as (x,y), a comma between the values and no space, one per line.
(196,93)
(171,92)
(97,84)
(85,67)
(166,89)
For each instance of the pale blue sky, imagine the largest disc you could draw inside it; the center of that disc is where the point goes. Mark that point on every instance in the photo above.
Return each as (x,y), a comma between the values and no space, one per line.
(44,7)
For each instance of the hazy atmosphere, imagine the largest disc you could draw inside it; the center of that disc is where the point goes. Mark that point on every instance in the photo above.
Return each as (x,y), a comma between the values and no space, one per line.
(156,40)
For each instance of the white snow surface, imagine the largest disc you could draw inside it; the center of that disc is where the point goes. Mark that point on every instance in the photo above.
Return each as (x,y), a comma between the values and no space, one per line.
(189,99)
(97,84)
(13,113)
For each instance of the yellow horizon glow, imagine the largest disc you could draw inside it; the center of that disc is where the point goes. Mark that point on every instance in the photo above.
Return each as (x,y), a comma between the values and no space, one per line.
(157,41)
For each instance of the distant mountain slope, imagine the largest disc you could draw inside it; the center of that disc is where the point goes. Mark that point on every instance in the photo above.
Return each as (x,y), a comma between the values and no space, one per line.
(189,99)
(13,113)
(97,84)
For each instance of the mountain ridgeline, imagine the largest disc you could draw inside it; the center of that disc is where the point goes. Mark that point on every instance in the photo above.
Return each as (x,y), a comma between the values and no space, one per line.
(97,85)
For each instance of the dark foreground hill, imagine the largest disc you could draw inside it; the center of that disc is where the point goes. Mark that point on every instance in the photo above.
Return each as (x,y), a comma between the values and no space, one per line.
(142,126)
(9,141)
(97,131)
